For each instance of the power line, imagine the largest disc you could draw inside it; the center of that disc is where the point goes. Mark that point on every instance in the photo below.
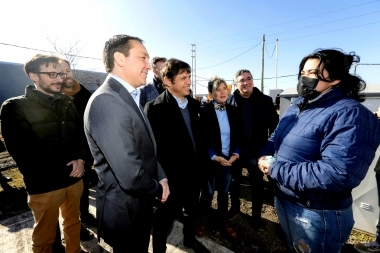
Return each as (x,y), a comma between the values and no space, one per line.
(303,36)
(46,51)
(277,77)
(231,58)
(290,39)
(331,31)
(266,49)
(334,21)
(223,51)
(266,78)
(206,79)
(291,21)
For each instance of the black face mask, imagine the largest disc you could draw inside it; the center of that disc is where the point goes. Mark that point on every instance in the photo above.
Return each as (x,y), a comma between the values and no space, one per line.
(306,87)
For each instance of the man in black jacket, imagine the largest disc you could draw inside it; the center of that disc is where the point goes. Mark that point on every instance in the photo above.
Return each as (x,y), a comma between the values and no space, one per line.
(44,135)
(175,120)
(81,95)
(259,119)
(153,89)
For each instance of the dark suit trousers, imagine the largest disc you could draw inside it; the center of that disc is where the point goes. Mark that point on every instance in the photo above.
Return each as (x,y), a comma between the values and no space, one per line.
(180,197)
(135,237)
(88,178)
(257,187)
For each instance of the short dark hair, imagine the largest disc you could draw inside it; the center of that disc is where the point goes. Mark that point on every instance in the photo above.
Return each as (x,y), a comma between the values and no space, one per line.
(241,71)
(337,64)
(33,65)
(174,67)
(157,59)
(118,43)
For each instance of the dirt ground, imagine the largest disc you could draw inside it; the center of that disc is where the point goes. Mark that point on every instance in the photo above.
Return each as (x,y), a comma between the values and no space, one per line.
(268,239)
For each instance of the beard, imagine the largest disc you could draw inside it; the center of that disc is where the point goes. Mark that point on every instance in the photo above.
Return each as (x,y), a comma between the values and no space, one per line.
(48,88)
(68,82)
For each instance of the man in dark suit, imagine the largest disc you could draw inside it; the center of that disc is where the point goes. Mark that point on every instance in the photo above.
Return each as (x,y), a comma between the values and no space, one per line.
(124,150)
(151,91)
(176,123)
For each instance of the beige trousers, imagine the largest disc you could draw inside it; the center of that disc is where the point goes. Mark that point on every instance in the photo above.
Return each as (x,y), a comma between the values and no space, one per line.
(45,209)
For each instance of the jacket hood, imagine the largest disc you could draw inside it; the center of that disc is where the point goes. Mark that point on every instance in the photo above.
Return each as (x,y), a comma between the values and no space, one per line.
(75,90)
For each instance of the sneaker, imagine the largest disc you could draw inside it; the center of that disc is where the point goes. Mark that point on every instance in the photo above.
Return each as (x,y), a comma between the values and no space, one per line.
(233,213)
(367,247)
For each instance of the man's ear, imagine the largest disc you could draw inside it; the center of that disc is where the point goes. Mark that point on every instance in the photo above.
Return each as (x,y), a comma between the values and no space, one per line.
(119,58)
(167,82)
(33,77)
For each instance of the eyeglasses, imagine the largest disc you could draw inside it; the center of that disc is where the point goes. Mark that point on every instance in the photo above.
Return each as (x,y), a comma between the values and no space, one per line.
(245,80)
(53,74)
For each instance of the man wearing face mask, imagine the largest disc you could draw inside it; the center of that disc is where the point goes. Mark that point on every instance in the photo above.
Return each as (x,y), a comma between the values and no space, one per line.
(322,149)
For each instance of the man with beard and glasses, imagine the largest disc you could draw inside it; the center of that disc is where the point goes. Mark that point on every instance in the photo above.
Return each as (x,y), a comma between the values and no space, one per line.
(44,134)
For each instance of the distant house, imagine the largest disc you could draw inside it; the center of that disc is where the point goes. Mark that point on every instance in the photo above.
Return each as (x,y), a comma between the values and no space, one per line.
(13,80)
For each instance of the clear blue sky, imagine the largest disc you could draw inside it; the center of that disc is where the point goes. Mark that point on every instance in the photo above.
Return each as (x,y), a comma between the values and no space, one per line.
(223,31)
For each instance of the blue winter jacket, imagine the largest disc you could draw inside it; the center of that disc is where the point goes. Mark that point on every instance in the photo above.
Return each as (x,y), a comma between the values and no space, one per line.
(323,150)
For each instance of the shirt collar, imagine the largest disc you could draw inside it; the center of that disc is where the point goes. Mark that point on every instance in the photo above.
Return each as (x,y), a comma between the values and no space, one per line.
(135,93)
(181,104)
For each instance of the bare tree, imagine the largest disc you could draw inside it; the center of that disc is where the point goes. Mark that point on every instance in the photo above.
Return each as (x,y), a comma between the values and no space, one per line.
(70,52)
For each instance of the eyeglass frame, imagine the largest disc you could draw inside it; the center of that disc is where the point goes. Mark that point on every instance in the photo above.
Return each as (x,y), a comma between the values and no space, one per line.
(245,80)
(55,74)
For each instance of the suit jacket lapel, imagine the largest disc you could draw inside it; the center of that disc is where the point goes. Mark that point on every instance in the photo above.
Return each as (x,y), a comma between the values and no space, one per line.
(124,94)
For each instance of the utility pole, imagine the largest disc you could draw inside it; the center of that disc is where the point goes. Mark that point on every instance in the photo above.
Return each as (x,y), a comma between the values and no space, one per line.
(276,60)
(262,65)
(194,69)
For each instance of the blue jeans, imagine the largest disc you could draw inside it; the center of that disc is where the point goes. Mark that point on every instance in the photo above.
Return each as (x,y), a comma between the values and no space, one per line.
(310,230)
(221,183)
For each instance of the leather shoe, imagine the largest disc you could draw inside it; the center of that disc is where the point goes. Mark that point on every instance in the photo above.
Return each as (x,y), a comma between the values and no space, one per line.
(229,230)
(85,235)
(197,246)
(200,229)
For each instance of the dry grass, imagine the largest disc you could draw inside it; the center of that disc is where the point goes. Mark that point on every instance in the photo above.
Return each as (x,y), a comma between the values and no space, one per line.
(12,194)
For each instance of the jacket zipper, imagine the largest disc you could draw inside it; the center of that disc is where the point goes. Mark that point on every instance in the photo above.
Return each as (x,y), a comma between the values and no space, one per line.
(301,107)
